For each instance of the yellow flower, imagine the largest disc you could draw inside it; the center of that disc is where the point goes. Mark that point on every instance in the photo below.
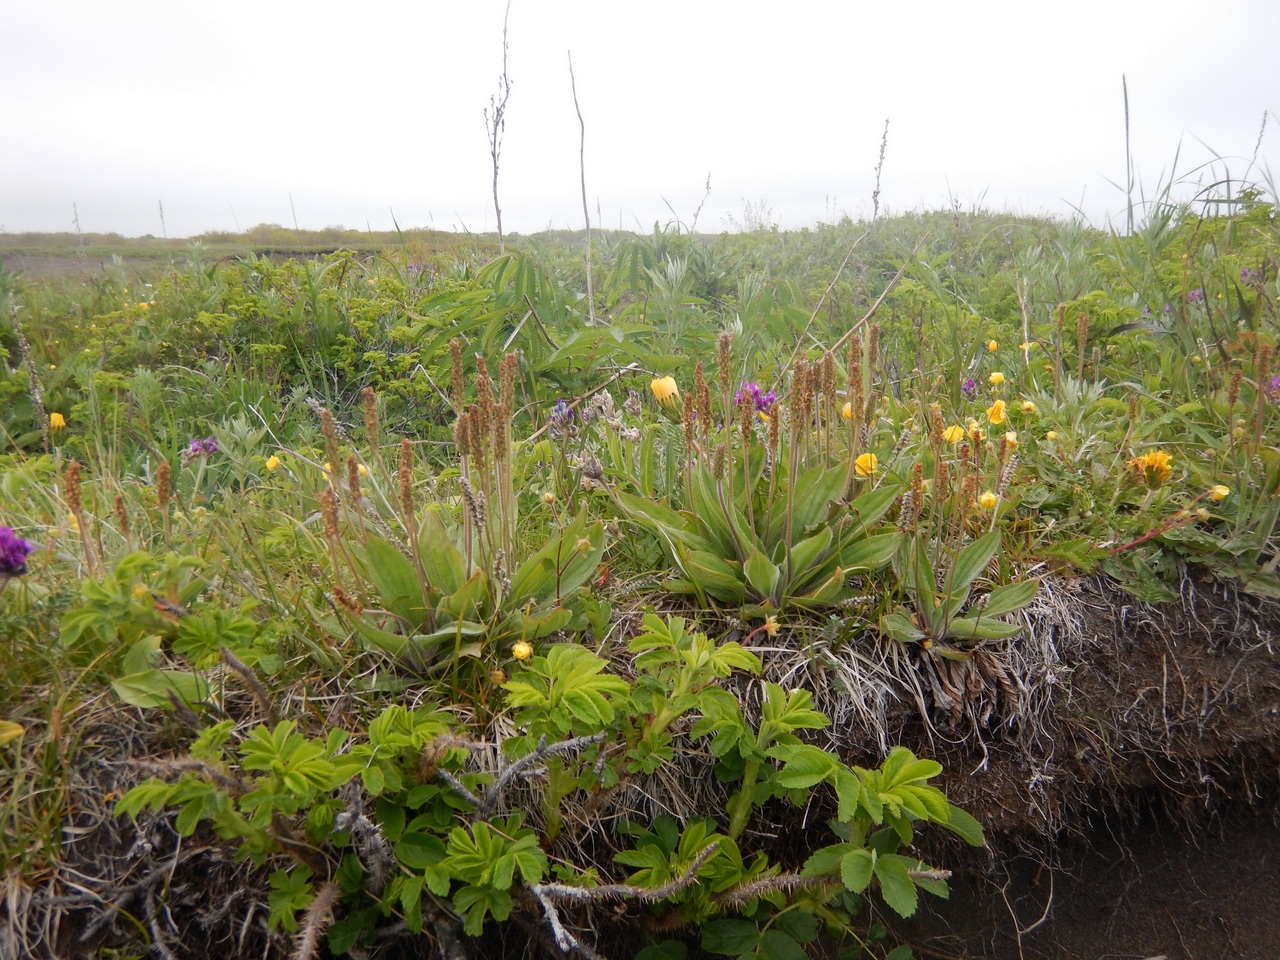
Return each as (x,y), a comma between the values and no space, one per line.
(53,366)
(988,500)
(144,305)
(73,523)
(57,421)
(1218,492)
(1011,440)
(140,590)
(953,433)
(1026,346)
(1051,435)
(273,462)
(976,433)
(1154,468)
(1197,360)
(1048,367)
(866,465)
(847,411)
(771,625)
(362,470)
(548,497)
(1028,406)
(993,346)
(584,545)
(522,651)
(664,389)
(996,379)
(996,412)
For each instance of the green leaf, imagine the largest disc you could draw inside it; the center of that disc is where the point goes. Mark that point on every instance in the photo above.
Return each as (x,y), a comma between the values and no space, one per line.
(419,851)
(443,563)
(869,553)
(396,581)
(731,936)
(777,945)
(900,628)
(966,628)
(152,688)
(895,884)
(561,565)
(972,561)
(762,575)
(803,765)
(856,869)
(963,825)
(1010,597)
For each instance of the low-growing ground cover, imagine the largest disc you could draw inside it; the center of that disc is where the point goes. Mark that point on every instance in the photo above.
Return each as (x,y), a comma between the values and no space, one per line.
(386,603)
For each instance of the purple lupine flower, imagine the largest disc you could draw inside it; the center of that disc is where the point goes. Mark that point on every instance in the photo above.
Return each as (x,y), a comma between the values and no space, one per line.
(1273,388)
(763,402)
(1195,296)
(969,388)
(1168,308)
(202,446)
(13,553)
(1247,275)
(561,422)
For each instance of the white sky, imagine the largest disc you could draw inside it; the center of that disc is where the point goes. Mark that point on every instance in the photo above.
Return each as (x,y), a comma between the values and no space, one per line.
(223,110)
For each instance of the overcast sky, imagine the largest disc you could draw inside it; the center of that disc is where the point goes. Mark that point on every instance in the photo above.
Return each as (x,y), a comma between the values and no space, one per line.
(224,112)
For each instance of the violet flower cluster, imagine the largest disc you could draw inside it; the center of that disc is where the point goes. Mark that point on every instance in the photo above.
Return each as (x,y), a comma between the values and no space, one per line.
(762,401)
(13,553)
(969,388)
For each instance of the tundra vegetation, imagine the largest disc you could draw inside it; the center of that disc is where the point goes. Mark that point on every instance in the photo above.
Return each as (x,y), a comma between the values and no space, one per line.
(380,600)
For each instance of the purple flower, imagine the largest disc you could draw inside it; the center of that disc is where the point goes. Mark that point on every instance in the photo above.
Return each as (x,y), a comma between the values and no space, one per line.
(1246,275)
(13,553)
(969,388)
(562,417)
(760,400)
(1195,296)
(1273,388)
(1168,308)
(1146,311)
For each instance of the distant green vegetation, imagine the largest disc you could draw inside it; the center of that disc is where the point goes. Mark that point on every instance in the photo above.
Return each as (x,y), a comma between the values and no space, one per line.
(461,611)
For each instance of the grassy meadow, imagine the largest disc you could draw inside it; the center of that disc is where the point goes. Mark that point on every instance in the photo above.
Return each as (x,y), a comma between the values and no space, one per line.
(416,596)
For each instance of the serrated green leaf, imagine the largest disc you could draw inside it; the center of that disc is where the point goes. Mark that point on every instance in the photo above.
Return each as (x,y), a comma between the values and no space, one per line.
(731,936)
(896,887)
(856,869)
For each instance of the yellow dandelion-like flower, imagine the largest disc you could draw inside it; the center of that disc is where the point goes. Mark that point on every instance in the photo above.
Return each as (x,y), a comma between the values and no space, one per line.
(522,651)
(996,378)
(997,413)
(988,500)
(771,625)
(1011,440)
(866,465)
(847,411)
(1153,468)
(993,346)
(57,421)
(1219,492)
(1051,435)
(140,590)
(273,462)
(953,433)
(665,389)
(1028,406)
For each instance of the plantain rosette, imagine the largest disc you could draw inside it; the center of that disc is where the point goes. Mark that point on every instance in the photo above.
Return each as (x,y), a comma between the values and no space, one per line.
(796,547)
(447,609)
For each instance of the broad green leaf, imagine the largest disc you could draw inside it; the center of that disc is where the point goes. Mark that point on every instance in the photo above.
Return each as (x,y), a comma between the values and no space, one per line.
(807,553)
(152,688)
(731,936)
(803,765)
(856,869)
(972,561)
(1010,597)
(986,629)
(963,825)
(895,884)
(900,628)
(869,553)
(420,850)
(444,565)
(761,574)
(562,565)
(396,581)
